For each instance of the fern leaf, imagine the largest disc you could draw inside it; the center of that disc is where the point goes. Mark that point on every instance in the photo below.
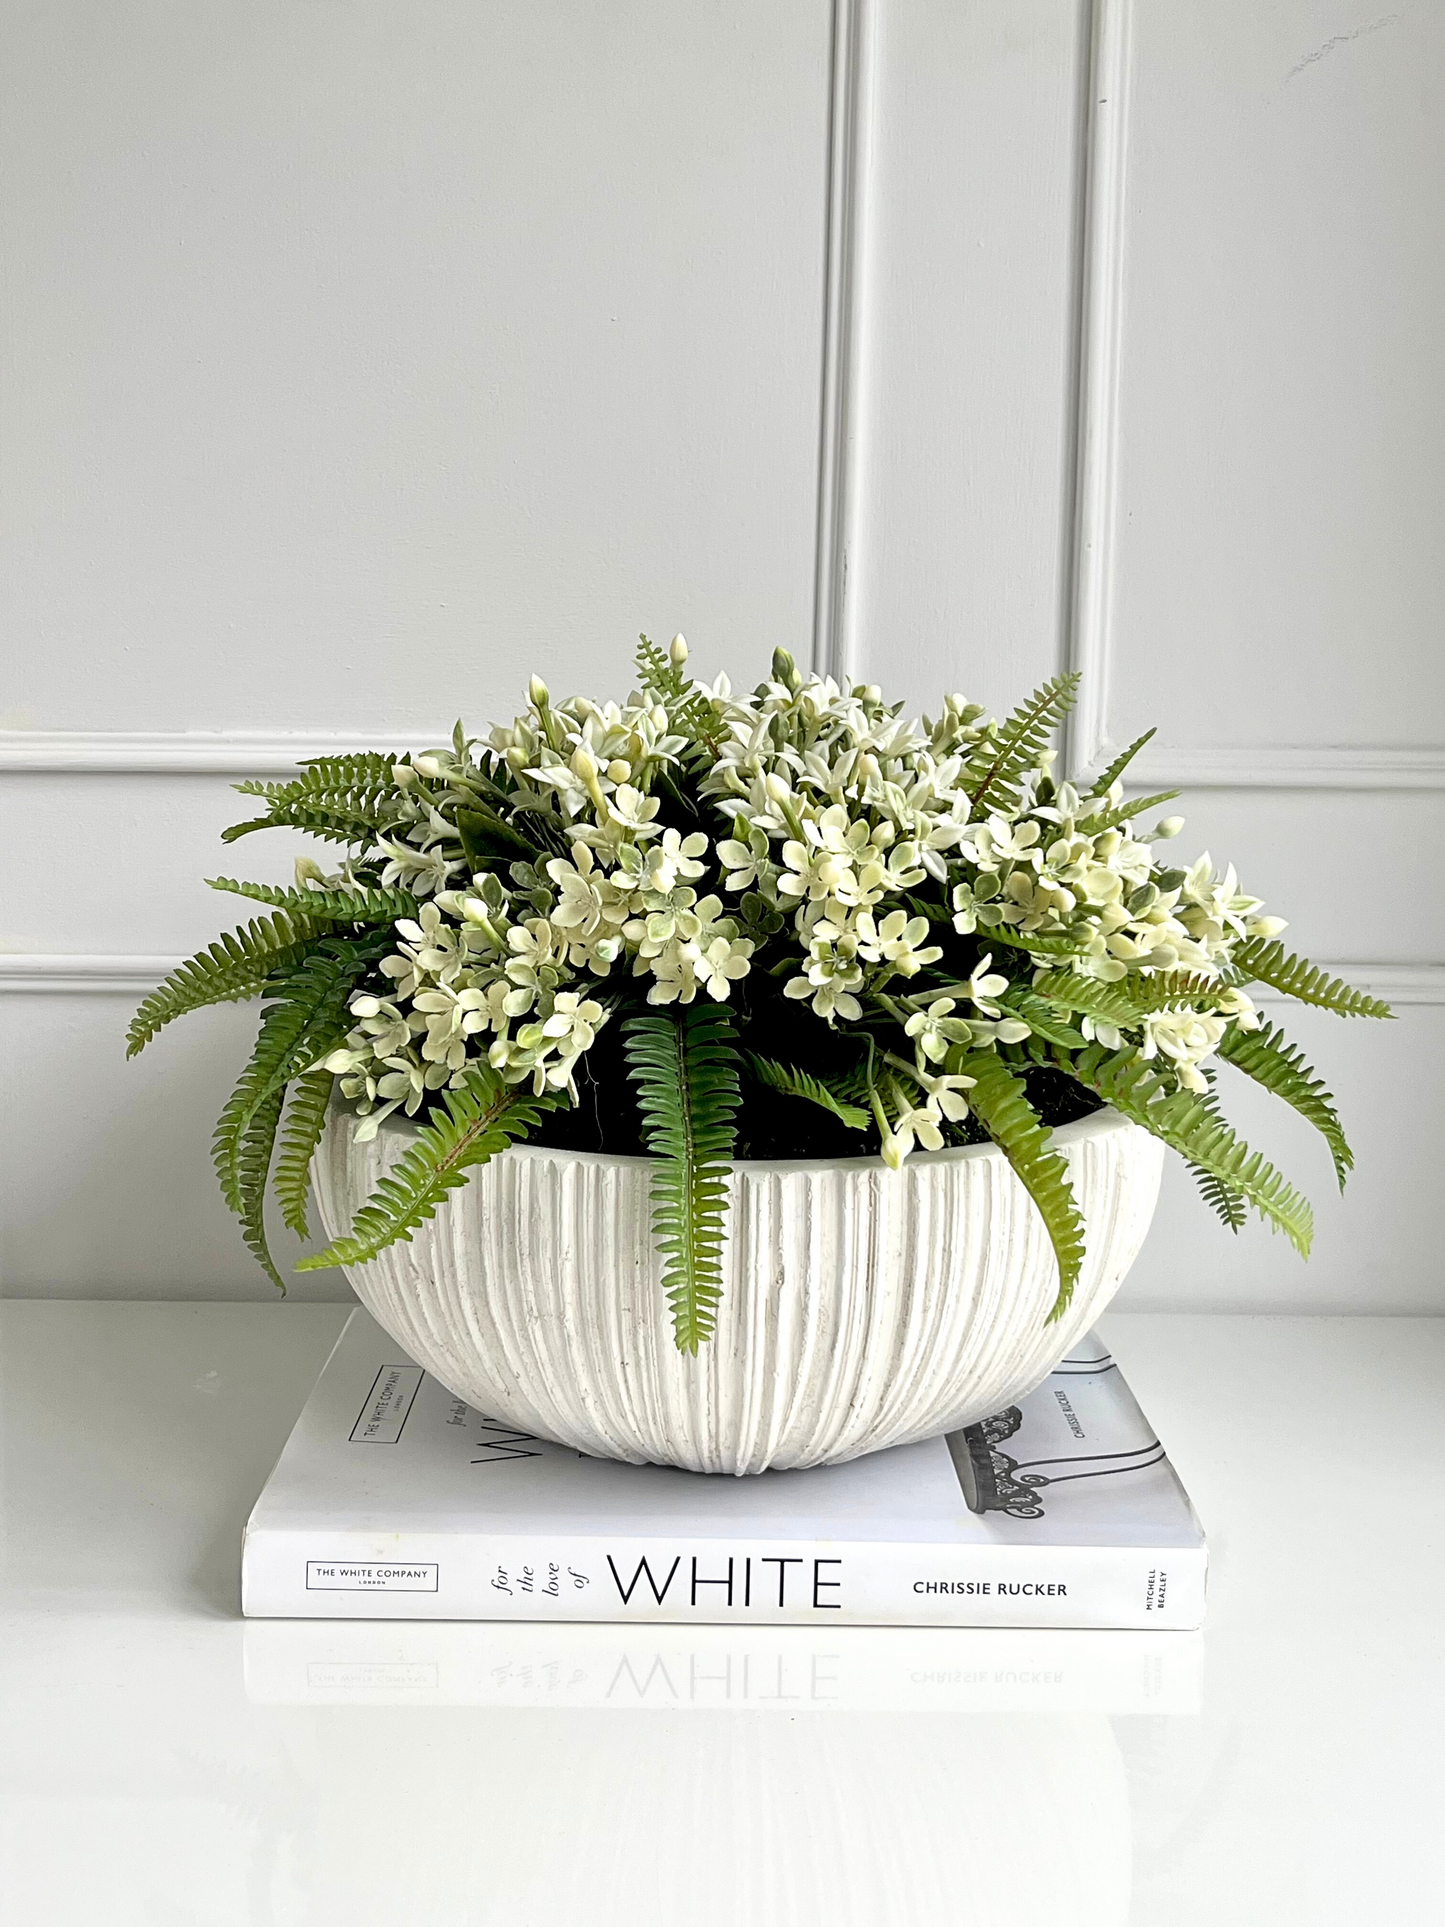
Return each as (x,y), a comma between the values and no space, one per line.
(1111,819)
(1189,1125)
(332,823)
(1271,1060)
(1178,990)
(253,1166)
(476,1122)
(305,1122)
(1266,961)
(361,905)
(1230,1206)
(1042,1019)
(999,1101)
(684,1063)
(1031,940)
(1110,1003)
(229,971)
(1011,749)
(306,1015)
(1107,778)
(686,704)
(792,1082)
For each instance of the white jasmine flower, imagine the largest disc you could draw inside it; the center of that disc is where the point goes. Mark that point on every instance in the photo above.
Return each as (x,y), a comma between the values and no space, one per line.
(897,941)
(984,987)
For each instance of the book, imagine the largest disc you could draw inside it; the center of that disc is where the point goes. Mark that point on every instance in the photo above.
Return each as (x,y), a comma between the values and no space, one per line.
(394,1499)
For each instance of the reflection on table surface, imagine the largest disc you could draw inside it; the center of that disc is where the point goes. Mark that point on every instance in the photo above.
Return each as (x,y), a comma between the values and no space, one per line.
(304,1772)
(164,1763)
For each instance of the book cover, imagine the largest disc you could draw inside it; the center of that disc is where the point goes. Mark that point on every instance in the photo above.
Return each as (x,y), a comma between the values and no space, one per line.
(393,1499)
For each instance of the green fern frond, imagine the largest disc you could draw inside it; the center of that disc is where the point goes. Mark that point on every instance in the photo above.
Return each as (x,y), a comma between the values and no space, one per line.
(306,1015)
(684,701)
(1266,961)
(328,779)
(1179,990)
(1230,1206)
(1010,750)
(1271,1060)
(1107,778)
(1042,1019)
(1189,1125)
(1111,819)
(481,1119)
(361,905)
(1110,1003)
(1033,941)
(305,1122)
(229,971)
(792,1082)
(253,1166)
(684,1062)
(999,1101)
(331,822)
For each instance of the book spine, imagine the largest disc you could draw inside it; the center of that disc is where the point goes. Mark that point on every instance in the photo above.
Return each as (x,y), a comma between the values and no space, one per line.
(290,1573)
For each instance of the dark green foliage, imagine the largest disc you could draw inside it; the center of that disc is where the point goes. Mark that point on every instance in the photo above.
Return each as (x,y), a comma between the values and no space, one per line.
(684,1062)
(1271,1060)
(1001,1102)
(1266,961)
(305,1017)
(253,1164)
(305,1121)
(230,970)
(1230,1206)
(465,1129)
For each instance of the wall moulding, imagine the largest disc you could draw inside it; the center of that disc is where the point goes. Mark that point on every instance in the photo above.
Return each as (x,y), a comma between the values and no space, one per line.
(80,975)
(222,752)
(843,409)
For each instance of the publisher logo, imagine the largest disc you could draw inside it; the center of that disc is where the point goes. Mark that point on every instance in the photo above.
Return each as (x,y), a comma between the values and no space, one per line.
(388,1405)
(344,1575)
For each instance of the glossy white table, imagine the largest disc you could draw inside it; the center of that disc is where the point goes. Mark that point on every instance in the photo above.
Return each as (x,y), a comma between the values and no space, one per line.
(163,1763)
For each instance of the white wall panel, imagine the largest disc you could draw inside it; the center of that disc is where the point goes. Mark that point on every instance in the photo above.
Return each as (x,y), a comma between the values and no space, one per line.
(1278,577)
(364,358)
(970,335)
(108,1184)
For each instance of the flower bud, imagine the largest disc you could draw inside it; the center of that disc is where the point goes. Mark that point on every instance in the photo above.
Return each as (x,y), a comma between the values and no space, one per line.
(428,766)
(307,872)
(365,1006)
(776,788)
(1171,826)
(403,775)
(538,693)
(584,764)
(677,651)
(618,771)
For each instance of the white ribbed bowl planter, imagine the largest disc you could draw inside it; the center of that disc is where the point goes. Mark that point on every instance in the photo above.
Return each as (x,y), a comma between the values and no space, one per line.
(861,1307)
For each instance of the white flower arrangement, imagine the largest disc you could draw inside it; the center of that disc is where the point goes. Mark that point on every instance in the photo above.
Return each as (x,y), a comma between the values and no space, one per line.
(914,929)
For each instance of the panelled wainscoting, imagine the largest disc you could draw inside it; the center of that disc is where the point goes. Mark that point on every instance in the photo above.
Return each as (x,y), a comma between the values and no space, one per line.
(363,367)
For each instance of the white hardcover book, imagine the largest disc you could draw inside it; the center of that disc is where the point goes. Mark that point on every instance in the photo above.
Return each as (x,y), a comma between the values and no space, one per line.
(393,1499)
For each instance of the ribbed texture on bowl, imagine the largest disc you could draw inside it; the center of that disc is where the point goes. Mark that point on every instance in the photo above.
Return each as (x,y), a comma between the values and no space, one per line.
(861,1307)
